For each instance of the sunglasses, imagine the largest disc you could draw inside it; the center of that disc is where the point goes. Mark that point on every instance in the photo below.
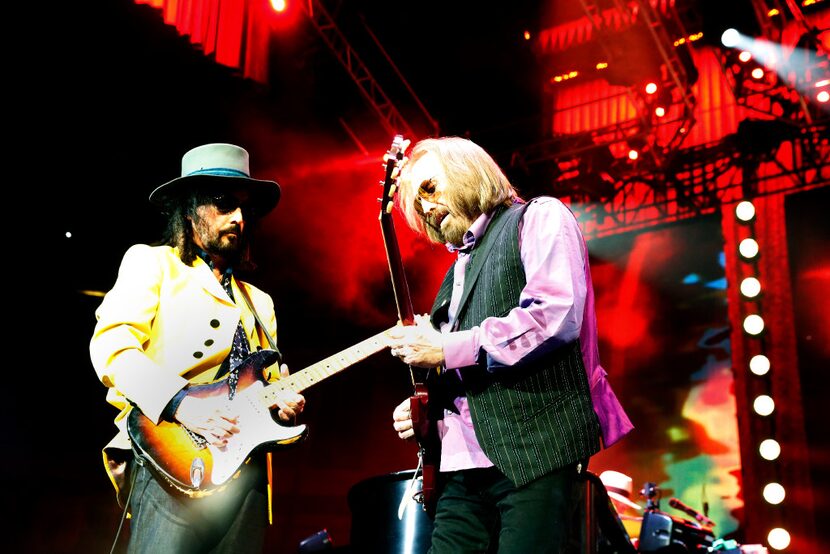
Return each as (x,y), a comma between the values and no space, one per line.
(226,203)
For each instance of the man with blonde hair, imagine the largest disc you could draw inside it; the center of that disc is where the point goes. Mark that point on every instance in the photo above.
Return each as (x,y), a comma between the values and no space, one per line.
(522,399)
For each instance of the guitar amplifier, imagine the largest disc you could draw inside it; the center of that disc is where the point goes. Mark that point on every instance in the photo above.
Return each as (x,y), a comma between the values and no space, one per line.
(666,534)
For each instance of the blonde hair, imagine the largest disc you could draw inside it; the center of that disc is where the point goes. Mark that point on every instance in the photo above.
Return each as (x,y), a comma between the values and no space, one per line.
(475,183)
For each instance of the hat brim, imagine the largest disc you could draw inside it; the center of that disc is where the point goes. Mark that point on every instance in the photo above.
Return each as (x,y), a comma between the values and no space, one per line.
(622,499)
(264,194)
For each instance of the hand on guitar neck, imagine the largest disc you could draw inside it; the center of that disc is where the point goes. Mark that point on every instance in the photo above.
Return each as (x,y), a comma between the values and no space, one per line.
(419,345)
(215,418)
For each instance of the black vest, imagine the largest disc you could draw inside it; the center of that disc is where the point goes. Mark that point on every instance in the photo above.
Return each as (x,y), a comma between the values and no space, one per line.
(532,418)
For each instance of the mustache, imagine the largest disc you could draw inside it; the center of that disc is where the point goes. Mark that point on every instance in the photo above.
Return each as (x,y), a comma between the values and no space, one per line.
(232,228)
(434,218)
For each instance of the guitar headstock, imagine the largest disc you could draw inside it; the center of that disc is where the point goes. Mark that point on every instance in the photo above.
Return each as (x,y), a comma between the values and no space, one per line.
(393,161)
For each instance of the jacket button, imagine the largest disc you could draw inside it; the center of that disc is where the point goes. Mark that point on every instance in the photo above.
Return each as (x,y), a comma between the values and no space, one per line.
(197,355)
(214,323)
(209,342)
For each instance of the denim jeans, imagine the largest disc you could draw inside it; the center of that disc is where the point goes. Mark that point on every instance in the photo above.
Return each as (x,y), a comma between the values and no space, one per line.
(233,520)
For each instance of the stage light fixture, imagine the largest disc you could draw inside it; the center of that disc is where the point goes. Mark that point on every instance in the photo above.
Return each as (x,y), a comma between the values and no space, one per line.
(769,449)
(763,405)
(633,155)
(278,5)
(659,111)
(757,73)
(753,324)
(750,287)
(823,96)
(778,538)
(759,364)
(748,248)
(745,56)
(730,38)
(745,211)
(774,493)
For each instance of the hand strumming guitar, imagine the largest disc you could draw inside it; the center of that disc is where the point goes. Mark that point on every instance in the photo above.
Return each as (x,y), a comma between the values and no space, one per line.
(419,345)
(215,418)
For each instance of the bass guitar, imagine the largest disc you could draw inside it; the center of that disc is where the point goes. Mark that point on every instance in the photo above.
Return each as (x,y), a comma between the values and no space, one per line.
(422,424)
(191,465)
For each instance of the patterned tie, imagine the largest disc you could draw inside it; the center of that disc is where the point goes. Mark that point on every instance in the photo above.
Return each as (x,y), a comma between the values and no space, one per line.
(240,348)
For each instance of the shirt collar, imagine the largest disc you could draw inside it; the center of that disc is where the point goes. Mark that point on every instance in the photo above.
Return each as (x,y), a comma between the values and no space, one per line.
(473,234)
(206,258)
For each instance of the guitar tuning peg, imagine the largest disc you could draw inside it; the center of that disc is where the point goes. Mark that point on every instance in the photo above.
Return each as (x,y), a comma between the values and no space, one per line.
(405,144)
(392,190)
(380,182)
(389,207)
(395,172)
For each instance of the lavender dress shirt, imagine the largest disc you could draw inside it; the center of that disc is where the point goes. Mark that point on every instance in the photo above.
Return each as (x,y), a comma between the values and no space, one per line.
(556,307)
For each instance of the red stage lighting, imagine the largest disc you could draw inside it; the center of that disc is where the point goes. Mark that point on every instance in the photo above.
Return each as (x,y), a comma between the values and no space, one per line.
(651,88)
(278,5)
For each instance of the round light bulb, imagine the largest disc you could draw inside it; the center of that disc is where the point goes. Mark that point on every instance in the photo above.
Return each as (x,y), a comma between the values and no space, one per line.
(778,538)
(769,449)
(774,493)
(750,287)
(823,96)
(745,210)
(730,38)
(763,405)
(748,248)
(753,324)
(759,364)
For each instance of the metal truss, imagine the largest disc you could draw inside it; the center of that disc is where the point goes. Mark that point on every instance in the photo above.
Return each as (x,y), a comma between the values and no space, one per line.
(676,81)
(698,180)
(390,117)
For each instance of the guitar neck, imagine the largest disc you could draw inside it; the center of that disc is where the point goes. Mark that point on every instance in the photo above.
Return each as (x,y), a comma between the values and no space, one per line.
(400,287)
(323,369)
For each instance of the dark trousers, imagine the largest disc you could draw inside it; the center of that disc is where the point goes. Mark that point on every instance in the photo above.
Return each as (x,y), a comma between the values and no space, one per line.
(231,521)
(481,511)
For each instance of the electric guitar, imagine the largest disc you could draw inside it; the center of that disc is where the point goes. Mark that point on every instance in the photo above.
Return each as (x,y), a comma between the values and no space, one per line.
(423,426)
(190,465)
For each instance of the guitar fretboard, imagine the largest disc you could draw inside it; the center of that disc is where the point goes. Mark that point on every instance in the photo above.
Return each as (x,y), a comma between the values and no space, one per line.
(323,369)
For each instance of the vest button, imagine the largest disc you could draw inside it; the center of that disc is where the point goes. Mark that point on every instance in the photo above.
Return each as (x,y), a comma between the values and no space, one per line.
(209,342)
(214,323)
(197,355)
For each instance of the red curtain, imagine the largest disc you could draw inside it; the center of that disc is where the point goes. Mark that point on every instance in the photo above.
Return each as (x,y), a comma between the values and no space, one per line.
(234,32)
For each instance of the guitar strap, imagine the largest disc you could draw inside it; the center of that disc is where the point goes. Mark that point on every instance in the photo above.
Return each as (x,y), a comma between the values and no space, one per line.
(273,344)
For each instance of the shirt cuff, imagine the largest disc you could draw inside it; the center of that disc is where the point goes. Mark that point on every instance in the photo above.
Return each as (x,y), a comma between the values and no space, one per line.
(461,348)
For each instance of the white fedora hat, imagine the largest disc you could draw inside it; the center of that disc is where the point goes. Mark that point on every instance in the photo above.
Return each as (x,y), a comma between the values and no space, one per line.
(219,165)
(619,487)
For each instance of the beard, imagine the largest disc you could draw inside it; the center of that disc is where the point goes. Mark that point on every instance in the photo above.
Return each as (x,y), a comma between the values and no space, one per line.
(228,243)
(445,227)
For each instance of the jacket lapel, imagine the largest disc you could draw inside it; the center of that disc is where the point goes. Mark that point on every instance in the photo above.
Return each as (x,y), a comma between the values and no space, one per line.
(209,281)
